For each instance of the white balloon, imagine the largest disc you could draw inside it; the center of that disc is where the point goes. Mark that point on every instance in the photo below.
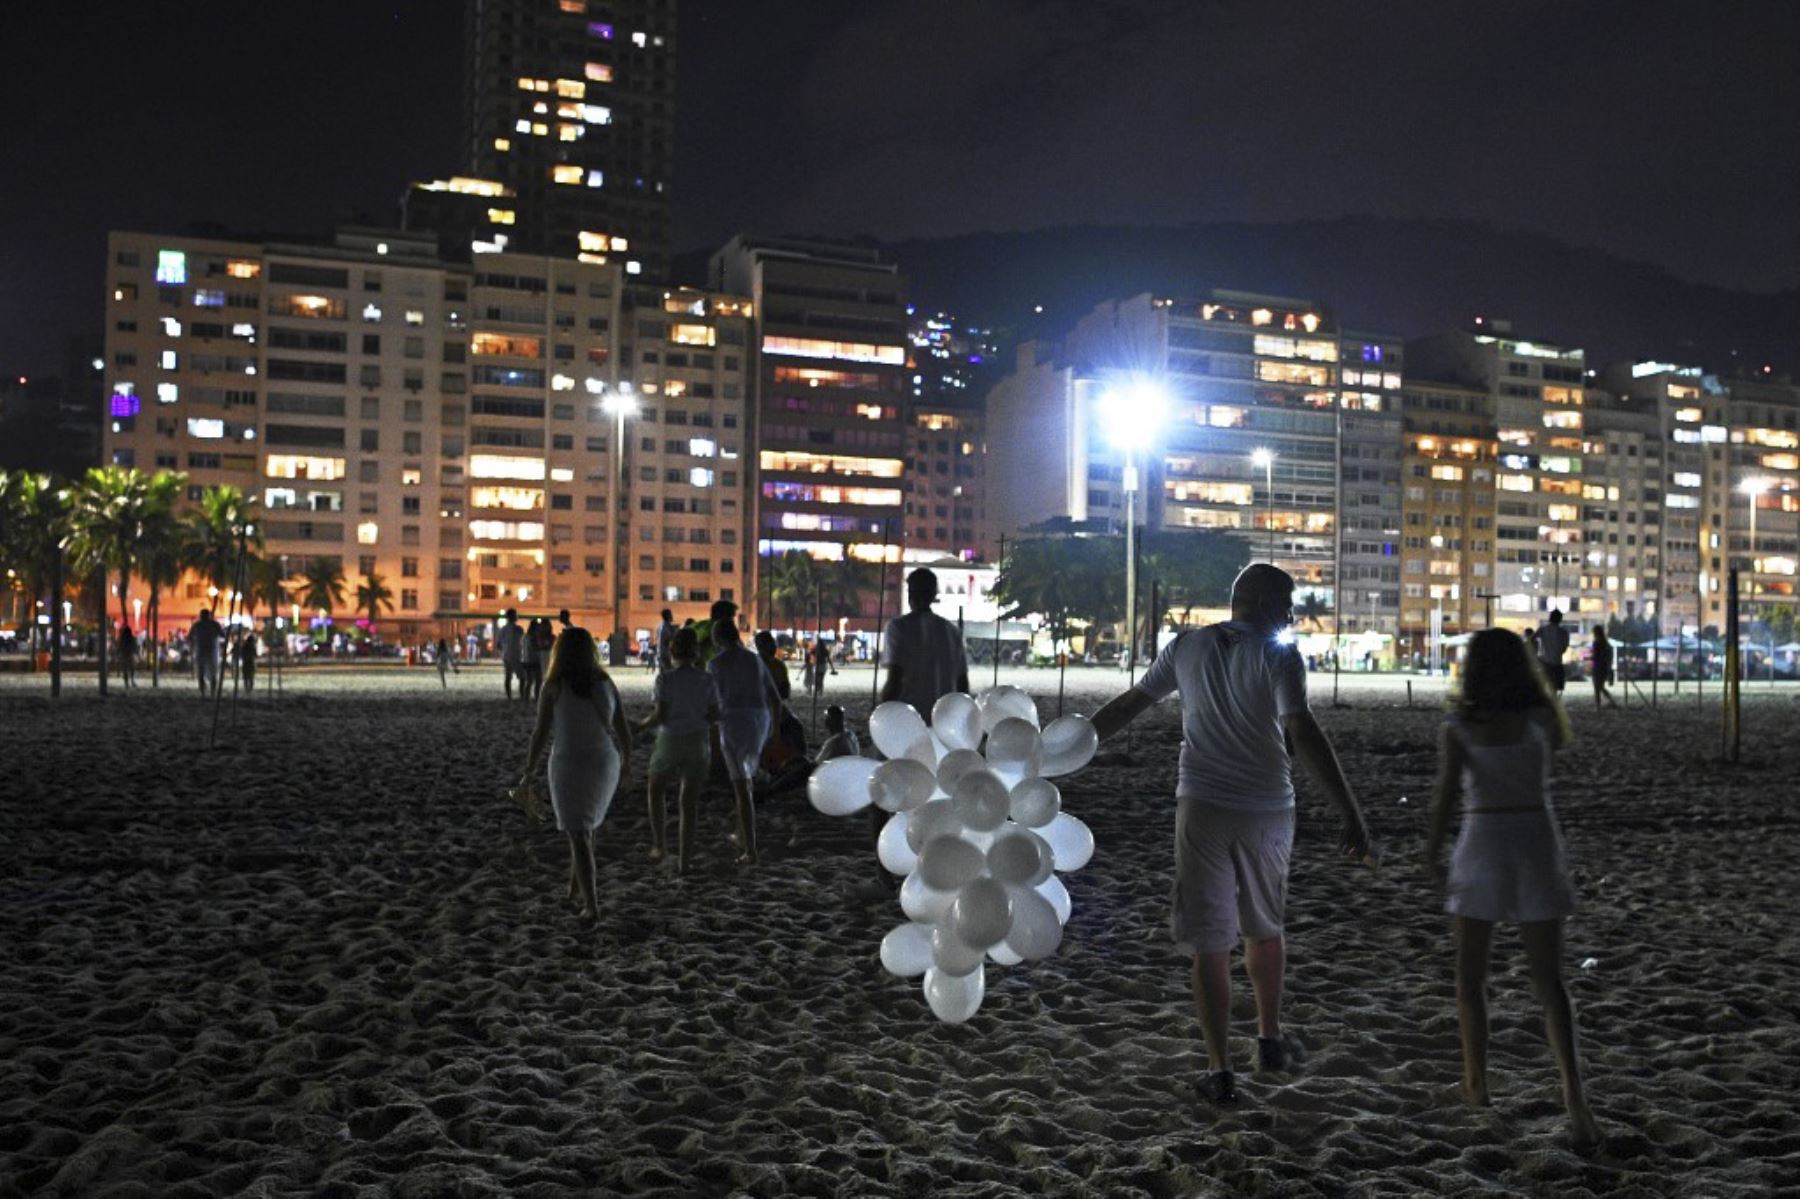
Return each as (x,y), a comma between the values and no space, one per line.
(981,800)
(982,913)
(900,785)
(947,862)
(953,998)
(930,819)
(926,749)
(1036,928)
(954,765)
(841,786)
(980,840)
(1014,750)
(950,955)
(1052,889)
(891,847)
(999,703)
(1000,955)
(921,903)
(1035,802)
(1019,856)
(906,950)
(1071,841)
(894,726)
(956,719)
(1069,744)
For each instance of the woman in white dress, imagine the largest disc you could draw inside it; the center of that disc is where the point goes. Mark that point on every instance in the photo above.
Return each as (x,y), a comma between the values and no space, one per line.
(1508,865)
(580,715)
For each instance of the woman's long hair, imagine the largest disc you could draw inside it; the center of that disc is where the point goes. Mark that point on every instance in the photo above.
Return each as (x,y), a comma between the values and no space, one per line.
(575,662)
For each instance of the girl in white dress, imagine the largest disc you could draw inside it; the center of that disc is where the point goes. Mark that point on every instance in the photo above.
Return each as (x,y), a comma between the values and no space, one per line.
(1508,864)
(580,714)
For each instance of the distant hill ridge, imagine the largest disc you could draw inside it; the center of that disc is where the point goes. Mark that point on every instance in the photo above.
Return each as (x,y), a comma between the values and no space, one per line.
(1375,274)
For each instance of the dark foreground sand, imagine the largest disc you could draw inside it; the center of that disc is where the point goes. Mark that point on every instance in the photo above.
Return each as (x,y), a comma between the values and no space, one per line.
(331,960)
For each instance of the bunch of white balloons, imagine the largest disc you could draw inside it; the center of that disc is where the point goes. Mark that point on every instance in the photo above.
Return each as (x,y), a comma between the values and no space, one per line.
(978,831)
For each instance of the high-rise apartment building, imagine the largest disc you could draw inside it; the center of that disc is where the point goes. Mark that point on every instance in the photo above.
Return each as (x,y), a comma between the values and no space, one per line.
(1688,409)
(1538,406)
(1371,369)
(952,366)
(1622,485)
(453,430)
(571,108)
(831,347)
(1449,453)
(1763,416)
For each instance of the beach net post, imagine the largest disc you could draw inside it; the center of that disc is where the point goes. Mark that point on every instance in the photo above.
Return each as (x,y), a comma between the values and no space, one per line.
(1733,728)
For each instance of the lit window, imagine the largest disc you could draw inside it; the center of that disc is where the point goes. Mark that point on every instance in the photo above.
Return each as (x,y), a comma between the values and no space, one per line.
(414,317)
(1562,512)
(522,125)
(166,360)
(601,30)
(596,178)
(569,133)
(594,114)
(503,144)
(618,243)
(208,298)
(598,72)
(1679,500)
(1688,415)
(566,173)
(699,476)
(839,464)
(575,6)
(693,335)
(562,383)
(171,266)
(541,109)
(639,39)
(501,466)
(528,84)
(171,327)
(634,267)
(125,400)
(561,474)
(1515,483)
(700,447)
(372,313)
(592,242)
(300,466)
(244,329)
(517,499)
(506,530)
(1781,461)
(1686,478)
(167,393)
(848,351)
(571,89)
(501,216)
(368,533)
(1451,473)
(243,268)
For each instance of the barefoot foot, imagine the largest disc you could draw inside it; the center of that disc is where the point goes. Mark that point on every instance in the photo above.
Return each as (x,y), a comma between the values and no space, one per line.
(657,853)
(1475,1094)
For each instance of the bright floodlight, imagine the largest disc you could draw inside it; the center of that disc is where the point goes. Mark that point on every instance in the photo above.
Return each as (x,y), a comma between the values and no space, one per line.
(617,404)
(1134,410)
(1261,457)
(1754,486)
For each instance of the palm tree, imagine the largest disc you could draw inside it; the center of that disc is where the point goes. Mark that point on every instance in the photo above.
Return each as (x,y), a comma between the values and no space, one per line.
(322,584)
(162,549)
(848,581)
(110,507)
(34,539)
(221,529)
(372,595)
(1313,609)
(267,584)
(793,584)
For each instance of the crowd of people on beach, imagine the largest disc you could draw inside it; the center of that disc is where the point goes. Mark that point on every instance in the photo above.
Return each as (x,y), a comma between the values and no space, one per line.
(1245,722)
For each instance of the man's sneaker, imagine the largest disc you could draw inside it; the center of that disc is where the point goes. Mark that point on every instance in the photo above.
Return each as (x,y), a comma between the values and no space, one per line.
(1280,1053)
(1218,1087)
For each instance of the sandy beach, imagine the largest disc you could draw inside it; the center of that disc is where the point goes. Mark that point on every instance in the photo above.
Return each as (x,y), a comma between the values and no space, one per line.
(329,958)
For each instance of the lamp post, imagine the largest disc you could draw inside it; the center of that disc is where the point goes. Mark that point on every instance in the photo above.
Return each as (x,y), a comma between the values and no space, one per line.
(1265,458)
(1133,409)
(619,404)
(1753,489)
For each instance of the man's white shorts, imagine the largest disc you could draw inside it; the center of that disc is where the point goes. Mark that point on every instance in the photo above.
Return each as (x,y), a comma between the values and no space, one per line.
(1231,872)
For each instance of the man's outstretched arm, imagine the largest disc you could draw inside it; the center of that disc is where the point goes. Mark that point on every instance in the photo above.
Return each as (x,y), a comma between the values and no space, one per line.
(1313,748)
(1120,711)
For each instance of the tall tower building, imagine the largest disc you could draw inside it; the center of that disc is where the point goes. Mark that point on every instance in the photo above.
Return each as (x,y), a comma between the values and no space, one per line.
(571,108)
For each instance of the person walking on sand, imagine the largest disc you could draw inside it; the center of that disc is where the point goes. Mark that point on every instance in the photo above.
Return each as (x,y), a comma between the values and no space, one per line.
(532,659)
(922,651)
(204,637)
(511,642)
(1243,703)
(1508,863)
(1603,670)
(749,707)
(686,709)
(665,641)
(766,650)
(1552,644)
(128,648)
(579,714)
(446,661)
(245,653)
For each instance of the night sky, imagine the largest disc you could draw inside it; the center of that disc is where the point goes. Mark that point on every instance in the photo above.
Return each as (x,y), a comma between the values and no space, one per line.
(1660,131)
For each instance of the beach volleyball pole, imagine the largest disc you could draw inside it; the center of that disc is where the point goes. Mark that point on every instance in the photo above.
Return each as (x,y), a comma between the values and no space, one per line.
(1733,727)
(231,615)
(1000,565)
(880,614)
(812,666)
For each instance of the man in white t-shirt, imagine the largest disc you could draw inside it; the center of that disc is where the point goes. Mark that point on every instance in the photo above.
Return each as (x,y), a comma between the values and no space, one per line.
(511,640)
(665,641)
(922,651)
(1552,644)
(1243,703)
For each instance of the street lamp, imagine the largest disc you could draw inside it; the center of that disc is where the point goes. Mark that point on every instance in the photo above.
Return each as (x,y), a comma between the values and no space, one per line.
(1265,458)
(619,404)
(1133,408)
(1753,489)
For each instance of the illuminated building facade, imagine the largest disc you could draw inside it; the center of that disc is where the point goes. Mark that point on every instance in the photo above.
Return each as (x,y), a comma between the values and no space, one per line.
(1622,487)
(1449,454)
(571,107)
(1538,408)
(1371,369)
(1763,416)
(953,365)
(454,431)
(832,392)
